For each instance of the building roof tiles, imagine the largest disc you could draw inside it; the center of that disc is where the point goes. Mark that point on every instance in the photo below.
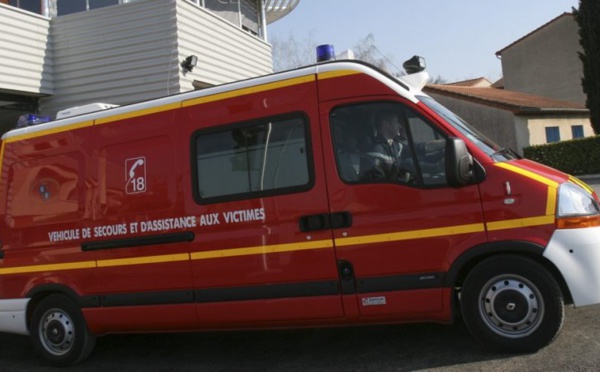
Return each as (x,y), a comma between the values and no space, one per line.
(517,102)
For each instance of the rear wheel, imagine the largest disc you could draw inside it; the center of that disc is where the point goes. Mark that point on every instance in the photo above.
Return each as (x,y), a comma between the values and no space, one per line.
(59,332)
(512,303)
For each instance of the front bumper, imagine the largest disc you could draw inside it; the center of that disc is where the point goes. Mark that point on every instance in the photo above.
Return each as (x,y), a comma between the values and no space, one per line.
(576,253)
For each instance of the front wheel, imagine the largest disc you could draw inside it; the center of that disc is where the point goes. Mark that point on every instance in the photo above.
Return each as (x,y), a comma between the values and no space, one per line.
(59,332)
(512,303)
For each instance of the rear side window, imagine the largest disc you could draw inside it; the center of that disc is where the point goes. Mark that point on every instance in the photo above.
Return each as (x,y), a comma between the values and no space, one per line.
(255,159)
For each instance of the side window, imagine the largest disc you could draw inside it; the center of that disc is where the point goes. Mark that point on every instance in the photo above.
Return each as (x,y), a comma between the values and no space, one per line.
(261,158)
(430,149)
(387,142)
(577,131)
(552,134)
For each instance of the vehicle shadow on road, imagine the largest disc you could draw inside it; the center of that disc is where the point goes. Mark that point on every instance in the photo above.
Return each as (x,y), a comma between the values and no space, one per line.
(410,347)
(369,348)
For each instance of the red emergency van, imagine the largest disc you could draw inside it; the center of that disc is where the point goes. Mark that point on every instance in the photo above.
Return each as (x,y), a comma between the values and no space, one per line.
(333,194)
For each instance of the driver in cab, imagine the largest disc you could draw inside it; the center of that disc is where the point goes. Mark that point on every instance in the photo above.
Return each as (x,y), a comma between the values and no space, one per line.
(385,153)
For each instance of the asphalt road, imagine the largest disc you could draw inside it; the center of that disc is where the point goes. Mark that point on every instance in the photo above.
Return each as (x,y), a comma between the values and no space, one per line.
(412,347)
(593,181)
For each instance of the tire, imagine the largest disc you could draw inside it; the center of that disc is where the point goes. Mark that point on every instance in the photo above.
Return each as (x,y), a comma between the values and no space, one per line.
(512,304)
(59,332)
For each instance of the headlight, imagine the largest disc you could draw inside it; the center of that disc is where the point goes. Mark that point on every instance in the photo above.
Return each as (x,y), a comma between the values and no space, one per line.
(575,201)
(576,208)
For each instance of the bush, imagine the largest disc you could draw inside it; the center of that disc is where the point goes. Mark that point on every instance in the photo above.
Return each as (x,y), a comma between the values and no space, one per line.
(580,156)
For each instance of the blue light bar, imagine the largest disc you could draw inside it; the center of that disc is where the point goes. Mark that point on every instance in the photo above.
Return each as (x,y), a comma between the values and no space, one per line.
(325,52)
(31,119)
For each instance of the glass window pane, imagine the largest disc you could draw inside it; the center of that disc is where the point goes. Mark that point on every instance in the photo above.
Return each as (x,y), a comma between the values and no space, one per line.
(250,15)
(94,4)
(252,159)
(577,131)
(380,141)
(552,134)
(430,149)
(65,7)
(228,9)
(34,6)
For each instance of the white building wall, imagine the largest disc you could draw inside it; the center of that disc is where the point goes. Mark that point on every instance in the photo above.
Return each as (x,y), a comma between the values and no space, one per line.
(132,52)
(118,54)
(537,127)
(25,56)
(225,52)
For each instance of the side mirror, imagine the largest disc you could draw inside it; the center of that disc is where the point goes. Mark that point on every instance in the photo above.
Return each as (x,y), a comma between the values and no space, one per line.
(459,163)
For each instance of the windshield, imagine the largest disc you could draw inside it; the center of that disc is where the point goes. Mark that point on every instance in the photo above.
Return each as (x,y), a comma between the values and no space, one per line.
(477,138)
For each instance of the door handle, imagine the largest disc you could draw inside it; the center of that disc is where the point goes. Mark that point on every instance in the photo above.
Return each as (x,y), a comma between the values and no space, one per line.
(340,220)
(325,221)
(314,222)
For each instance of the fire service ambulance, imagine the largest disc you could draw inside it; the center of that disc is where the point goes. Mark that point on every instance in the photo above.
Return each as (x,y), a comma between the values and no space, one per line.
(333,194)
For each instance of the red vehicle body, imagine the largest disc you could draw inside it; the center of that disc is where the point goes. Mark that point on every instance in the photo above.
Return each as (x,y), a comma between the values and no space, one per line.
(199,212)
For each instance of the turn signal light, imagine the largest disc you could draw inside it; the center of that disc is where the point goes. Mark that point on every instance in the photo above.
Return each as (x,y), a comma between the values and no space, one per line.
(579,222)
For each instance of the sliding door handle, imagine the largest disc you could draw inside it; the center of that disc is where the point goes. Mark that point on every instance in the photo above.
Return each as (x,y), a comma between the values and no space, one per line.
(325,221)
(314,222)
(339,220)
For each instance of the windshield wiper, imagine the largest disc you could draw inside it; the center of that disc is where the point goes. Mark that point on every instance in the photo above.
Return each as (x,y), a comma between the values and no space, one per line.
(505,152)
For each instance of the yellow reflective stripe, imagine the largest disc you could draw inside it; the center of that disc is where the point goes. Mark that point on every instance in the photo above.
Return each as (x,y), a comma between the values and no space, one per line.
(191,102)
(290,247)
(335,74)
(49,267)
(278,248)
(579,182)
(45,132)
(320,244)
(551,201)
(414,234)
(167,107)
(530,221)
(249,90)
(135,114)
(144,260)
(528,174)
(520,222)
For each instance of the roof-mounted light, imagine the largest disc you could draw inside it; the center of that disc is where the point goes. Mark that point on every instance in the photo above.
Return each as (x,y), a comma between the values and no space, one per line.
(414,65)
(325,52)
(346,54)
(31,119)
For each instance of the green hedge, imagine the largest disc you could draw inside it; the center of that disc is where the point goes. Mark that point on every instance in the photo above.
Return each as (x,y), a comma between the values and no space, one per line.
(580,156)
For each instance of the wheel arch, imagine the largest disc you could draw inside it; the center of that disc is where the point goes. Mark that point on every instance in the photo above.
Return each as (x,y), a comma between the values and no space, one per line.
(42,291)
(463,264)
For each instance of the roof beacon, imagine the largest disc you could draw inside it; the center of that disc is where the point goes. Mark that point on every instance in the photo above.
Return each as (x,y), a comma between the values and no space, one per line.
(415,68)
(31,119)
(325,52)
(414,65)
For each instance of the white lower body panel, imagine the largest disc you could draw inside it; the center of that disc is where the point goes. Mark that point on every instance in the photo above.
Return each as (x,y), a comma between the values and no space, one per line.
(576,253)
(12,316)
